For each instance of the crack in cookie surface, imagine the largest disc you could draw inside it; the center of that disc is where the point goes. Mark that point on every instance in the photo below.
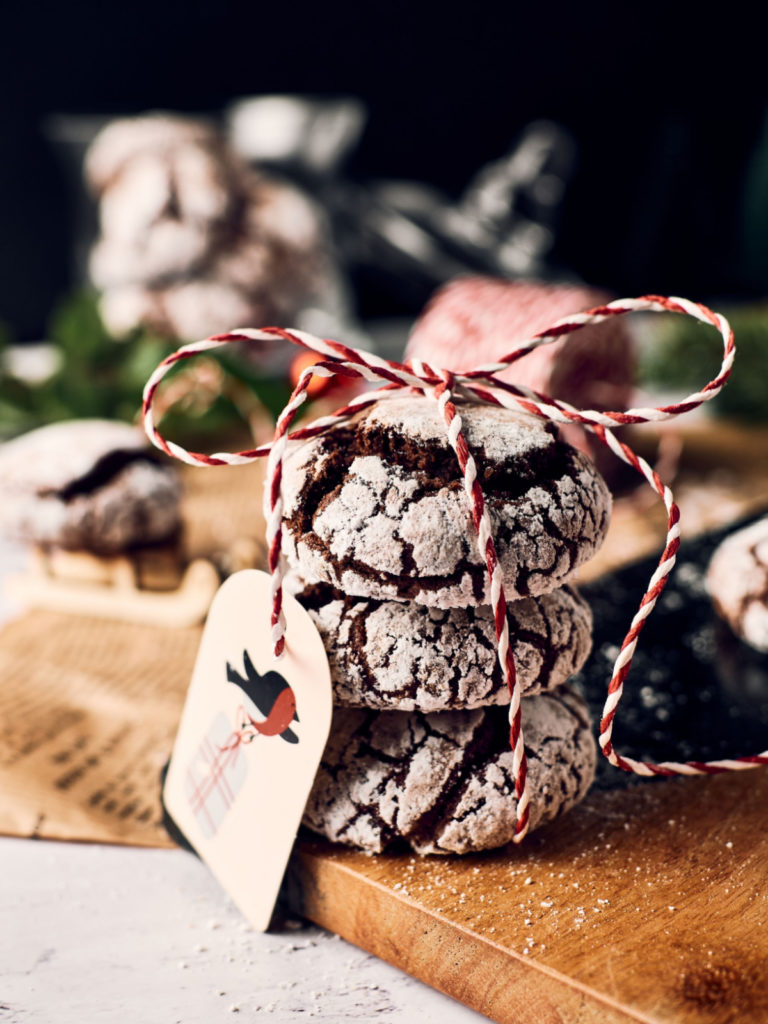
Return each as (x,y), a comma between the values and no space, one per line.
(737,580)
(444,782)
(379,512)
(404,656)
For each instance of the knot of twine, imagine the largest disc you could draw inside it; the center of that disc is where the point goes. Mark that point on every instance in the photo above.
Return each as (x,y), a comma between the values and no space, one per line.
(245,731)
(477,385)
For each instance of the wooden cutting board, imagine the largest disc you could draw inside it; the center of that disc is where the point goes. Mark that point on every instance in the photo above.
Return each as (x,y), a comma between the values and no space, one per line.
(647,904)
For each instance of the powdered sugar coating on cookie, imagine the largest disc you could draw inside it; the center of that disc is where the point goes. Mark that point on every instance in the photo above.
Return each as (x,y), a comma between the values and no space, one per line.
(53,457)
(737,581)
(490,431)
(444,783)
(377,508)
(87,484)
(399,655)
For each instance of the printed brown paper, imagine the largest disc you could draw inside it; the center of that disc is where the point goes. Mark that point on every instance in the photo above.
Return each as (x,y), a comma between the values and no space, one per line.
(88,712)
(89,707)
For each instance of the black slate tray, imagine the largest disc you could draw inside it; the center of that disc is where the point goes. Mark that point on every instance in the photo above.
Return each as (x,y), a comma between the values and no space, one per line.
(694,691)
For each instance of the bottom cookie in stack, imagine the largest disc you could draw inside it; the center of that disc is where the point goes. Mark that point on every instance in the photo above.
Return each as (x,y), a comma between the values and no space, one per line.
(418,753)
(444,782)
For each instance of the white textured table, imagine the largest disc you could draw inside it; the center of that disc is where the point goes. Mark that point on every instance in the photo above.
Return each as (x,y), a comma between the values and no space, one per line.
(99,933)
(92,933)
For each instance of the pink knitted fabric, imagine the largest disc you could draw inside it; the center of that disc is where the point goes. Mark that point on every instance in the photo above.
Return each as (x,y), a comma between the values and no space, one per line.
(474,320)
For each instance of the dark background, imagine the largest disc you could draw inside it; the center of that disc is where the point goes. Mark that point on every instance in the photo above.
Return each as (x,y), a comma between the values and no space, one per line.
(668,116)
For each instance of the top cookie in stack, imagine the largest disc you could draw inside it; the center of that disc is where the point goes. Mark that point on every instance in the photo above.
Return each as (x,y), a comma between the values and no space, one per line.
(378,509)
(379,534)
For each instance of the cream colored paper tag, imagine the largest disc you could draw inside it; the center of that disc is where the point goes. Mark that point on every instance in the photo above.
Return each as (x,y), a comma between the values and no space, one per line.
(249,742)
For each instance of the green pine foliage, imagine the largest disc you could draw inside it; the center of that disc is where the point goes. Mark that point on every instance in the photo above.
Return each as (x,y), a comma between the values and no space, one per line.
(96,376)
(685,353)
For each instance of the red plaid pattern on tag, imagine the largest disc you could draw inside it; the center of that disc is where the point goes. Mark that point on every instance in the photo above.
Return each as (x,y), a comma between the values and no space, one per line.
(215,776)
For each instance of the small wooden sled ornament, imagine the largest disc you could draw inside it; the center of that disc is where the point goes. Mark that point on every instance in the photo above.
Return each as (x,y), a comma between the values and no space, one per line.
(82,584)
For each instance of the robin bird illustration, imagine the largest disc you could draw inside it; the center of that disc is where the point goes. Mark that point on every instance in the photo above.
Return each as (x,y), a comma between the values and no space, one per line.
(272,696)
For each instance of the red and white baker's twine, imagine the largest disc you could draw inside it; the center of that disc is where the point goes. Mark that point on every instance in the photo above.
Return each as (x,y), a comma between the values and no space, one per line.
(474,385)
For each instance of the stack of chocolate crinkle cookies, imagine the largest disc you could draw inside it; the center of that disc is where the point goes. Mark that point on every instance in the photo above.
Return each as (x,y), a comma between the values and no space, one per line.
(383,554)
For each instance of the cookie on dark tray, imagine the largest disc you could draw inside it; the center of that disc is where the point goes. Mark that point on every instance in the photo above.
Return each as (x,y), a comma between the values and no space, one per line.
(737,581)
(444,782)
(89,485)
(399,655)
(377,507)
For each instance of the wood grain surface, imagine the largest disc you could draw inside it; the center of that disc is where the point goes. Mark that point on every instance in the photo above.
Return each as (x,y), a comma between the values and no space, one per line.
(646,904)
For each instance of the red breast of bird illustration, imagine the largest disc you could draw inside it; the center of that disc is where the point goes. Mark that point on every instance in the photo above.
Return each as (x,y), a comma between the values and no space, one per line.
(272,696)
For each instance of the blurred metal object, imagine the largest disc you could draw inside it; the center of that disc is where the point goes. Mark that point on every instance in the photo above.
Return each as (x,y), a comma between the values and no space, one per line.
(303,135)
(412,237)
(511,206)
(504,222)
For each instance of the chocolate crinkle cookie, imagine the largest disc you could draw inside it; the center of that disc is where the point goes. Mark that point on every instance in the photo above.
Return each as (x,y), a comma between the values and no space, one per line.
(193,240)
(408,657)
(444,783)
(737,581)
(87,485)
(377,507)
